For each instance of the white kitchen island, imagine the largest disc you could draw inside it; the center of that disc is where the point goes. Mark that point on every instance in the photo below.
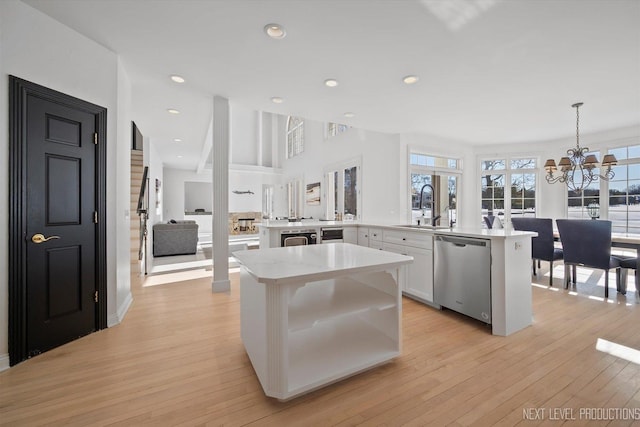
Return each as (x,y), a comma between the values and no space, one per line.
(312,315)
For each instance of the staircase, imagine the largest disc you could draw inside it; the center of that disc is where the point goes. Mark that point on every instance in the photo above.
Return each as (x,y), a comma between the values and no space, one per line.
(137,168)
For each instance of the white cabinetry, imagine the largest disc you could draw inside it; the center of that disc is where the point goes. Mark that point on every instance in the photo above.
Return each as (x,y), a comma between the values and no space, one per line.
(419,245)
(370,236)
(375,238)
(350,235)
(305,327)
(363,236)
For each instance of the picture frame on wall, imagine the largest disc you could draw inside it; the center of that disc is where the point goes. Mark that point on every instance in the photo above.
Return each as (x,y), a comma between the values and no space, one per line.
(312,195)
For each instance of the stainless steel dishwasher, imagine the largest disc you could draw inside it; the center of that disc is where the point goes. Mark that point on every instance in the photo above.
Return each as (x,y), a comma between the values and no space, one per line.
(462,276)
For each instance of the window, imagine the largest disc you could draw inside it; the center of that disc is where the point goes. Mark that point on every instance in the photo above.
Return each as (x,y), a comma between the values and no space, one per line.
(624,190)
(521,174)
(434,187)
(345,199)
(334,129)
(295,136)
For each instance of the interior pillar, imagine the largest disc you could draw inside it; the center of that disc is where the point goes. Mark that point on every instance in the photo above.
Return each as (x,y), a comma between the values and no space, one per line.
(220,179)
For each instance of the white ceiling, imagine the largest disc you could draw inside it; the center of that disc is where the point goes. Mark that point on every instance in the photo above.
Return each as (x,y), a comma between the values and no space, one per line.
(490,71)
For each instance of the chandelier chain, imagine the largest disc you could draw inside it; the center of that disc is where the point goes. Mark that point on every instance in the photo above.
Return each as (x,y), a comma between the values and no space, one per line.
(577,125)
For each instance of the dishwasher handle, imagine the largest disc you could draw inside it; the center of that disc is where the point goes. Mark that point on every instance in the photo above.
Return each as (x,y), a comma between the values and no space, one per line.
(462,241)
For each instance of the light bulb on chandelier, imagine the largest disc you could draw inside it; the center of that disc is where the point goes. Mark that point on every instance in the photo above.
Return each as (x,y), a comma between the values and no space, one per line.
(577,169)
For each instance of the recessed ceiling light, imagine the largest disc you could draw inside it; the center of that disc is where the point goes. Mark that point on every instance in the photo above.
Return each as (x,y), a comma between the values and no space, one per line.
(177,140)
(178,79)
(275,31)
(179,157)
(410,79)
(173,111)
(349,114)
(331,82)
(277,100)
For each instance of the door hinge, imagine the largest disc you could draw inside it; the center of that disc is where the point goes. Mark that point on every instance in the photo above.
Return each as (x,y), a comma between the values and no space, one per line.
(95,217)
(95,138)
(95,296)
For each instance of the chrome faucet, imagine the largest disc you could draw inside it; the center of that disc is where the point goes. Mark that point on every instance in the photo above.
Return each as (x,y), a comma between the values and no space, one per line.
(432,219)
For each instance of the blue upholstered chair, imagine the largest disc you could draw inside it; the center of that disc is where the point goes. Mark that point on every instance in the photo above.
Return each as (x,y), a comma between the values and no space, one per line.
(629,263)
(588,243)
(542,246)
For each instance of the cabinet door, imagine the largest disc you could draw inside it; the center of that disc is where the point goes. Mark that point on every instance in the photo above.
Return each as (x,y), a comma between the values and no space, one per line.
(363,236)
(419,279)
(350,235)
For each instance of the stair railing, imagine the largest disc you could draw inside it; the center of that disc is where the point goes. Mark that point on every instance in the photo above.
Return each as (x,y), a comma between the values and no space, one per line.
(143,213)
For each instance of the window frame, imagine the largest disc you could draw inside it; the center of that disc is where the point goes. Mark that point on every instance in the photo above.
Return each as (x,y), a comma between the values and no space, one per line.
(331,186)
(605,209)
(433,170)
(508,172)
(294,136)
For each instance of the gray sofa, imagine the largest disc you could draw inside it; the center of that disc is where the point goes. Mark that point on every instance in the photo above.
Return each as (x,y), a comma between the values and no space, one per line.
(179,238)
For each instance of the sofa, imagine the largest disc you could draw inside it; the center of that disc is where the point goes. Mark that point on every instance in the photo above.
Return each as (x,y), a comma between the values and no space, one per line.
(175,238)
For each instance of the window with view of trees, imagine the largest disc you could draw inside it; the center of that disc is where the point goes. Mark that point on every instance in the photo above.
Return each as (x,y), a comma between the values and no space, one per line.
(521,174)
(434,182)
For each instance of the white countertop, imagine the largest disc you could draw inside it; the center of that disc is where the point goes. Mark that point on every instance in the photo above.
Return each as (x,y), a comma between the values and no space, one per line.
(315,262)
(483,233)
(300,225)
(307,223)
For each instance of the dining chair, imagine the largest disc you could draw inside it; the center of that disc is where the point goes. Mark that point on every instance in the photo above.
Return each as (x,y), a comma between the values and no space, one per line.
(542,246)
(626,264)
(587,243)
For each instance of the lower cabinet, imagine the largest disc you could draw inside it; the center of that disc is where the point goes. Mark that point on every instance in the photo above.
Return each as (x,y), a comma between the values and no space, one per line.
(418,282)
(350,235)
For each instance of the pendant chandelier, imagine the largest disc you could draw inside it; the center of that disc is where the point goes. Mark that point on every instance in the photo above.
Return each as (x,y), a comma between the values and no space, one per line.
(577,170)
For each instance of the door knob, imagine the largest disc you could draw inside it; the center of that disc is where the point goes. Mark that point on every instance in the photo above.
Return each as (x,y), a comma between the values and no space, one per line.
(39,238)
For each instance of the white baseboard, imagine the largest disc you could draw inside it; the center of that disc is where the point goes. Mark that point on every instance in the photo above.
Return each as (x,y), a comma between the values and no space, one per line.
(113,320)
(4,362)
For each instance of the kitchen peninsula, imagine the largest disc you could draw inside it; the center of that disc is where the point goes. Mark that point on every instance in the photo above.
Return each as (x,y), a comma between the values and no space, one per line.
(312,315)
(509,263)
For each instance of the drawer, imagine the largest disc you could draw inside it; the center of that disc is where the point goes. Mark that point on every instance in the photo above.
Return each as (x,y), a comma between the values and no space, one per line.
(375,234)
(416,239)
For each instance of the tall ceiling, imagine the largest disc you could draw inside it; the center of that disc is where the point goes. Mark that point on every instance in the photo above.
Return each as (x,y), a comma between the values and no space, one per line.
(490,71)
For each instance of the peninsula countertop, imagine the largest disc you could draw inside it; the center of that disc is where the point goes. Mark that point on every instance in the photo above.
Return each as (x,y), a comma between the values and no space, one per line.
(483,233)
(315,262)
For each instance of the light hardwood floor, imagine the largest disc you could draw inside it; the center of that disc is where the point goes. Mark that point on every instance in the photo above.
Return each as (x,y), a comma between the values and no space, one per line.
(177,358)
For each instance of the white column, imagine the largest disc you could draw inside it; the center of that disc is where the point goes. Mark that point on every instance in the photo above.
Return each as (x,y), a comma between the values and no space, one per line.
(220,217)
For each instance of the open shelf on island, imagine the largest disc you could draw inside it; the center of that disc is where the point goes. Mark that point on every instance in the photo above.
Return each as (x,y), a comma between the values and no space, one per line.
(329,299)
(336,349)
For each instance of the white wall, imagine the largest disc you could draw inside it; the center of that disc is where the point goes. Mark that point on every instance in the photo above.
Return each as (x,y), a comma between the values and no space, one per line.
(153,160)
(241,178)
(244,130)
(37,48)
(198,195)
(123,297)
(379,155)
